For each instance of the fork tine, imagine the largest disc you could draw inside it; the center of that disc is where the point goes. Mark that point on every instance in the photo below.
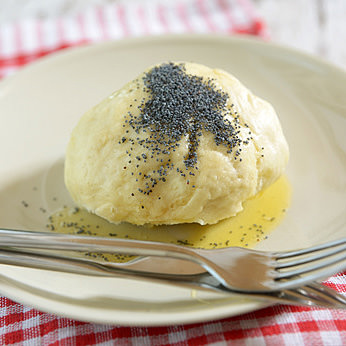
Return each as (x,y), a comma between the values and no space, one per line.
(316,294)
(282,255)
(328,293)
(322,266)
(315,257)
(307,279)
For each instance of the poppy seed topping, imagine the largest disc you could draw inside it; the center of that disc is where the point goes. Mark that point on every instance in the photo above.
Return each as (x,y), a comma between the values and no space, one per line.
(179,106)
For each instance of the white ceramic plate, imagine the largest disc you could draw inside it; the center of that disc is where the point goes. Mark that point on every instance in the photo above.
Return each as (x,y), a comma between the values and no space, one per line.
(40,105)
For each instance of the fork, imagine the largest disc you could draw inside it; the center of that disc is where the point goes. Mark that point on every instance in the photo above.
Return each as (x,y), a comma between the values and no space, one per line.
(237,269)
(314,294)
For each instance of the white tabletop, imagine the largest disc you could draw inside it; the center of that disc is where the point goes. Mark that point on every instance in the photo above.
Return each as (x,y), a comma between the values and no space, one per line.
(314,26)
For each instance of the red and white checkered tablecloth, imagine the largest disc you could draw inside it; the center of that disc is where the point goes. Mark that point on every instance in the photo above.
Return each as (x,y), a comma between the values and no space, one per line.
(27,40)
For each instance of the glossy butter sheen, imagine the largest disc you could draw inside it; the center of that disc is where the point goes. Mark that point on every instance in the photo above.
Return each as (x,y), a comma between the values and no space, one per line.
(260,216)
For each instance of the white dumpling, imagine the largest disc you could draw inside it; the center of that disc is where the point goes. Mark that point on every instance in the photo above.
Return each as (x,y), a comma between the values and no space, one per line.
(181,143)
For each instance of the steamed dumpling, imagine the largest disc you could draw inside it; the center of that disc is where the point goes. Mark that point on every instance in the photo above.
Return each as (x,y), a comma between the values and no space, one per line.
(181,143)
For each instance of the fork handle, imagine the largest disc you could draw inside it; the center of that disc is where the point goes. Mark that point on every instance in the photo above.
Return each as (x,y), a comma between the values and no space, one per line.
(68,242)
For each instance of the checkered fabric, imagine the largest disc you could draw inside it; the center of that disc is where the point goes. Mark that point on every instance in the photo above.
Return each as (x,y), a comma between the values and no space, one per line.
(27,40)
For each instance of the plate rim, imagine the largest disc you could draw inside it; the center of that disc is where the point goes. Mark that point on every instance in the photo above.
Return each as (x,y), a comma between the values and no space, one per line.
(145,318)
(237,38)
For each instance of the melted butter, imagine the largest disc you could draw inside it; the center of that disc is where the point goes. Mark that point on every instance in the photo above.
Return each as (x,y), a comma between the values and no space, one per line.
(260,216)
